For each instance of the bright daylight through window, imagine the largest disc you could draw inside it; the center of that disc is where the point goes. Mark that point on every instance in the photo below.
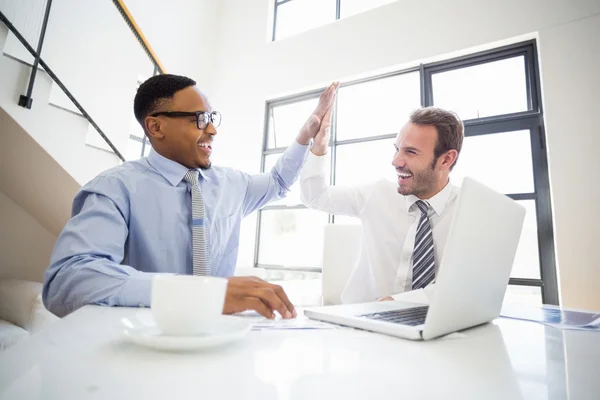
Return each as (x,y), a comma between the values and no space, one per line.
(496,93)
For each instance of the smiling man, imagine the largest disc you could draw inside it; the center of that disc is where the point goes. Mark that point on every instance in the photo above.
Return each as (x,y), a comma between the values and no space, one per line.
(170,212)
(405,224)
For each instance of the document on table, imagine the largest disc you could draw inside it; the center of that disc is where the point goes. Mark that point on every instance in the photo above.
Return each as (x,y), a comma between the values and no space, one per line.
(301,322)
(553,316)
(548,314)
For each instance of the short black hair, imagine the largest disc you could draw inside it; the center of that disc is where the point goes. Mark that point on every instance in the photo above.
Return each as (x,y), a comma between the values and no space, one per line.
(155,90)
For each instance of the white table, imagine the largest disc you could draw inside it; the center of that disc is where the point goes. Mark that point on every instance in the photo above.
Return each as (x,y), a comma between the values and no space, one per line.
(85,357)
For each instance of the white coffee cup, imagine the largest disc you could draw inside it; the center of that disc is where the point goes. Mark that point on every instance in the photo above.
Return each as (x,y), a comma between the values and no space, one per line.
(185,305)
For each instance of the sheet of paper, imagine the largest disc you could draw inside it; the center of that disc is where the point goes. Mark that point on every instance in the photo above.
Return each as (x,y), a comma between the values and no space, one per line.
(553,316)
(420,296)
(301,322)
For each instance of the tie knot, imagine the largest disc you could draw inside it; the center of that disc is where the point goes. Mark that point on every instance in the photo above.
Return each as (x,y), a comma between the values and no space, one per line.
(191,177)
(423,206)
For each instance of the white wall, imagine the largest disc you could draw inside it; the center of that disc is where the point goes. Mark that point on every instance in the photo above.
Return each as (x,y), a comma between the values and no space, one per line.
(182,34)
(252,70)
(25,245)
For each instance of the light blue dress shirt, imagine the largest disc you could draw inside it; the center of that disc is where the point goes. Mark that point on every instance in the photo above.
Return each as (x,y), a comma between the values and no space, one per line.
(133,221)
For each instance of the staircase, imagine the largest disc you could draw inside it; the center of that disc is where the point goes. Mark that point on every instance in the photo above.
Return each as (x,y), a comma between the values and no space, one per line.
(81,118)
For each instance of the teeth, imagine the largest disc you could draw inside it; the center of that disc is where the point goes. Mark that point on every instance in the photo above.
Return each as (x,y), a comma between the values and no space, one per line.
(203,144)
(404,176)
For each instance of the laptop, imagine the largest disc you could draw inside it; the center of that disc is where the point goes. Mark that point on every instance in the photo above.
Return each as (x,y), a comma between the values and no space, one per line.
(472,276)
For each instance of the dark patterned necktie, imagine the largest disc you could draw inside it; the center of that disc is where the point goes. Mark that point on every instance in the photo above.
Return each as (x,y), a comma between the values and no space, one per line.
(423,254)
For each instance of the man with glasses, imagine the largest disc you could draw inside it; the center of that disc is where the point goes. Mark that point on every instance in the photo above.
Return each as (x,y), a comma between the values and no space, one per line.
(170,212)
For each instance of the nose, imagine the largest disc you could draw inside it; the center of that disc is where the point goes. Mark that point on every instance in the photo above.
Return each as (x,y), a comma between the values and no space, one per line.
(398,160)
(210,129)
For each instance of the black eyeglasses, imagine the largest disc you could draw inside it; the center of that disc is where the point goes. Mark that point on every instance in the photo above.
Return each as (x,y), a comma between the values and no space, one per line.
(203,118)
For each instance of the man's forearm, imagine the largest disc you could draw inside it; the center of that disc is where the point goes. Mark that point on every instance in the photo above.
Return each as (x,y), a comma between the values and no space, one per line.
(82,280)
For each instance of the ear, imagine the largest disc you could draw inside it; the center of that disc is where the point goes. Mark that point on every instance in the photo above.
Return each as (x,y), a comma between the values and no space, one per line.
(448,159)
(153,128)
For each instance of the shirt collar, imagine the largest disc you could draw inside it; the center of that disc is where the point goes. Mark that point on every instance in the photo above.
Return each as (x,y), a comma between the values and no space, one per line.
(437,202)
(169,169)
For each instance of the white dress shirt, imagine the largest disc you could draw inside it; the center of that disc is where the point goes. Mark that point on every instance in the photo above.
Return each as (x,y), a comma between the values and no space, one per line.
(389,221)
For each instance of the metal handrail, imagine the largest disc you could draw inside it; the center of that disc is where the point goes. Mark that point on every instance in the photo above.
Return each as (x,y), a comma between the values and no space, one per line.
(55,78)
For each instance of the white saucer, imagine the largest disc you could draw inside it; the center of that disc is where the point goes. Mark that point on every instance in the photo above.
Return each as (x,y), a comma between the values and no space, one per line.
(142,331)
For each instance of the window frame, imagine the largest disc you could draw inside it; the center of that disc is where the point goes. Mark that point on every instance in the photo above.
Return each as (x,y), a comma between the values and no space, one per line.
(531,120)
(277,3)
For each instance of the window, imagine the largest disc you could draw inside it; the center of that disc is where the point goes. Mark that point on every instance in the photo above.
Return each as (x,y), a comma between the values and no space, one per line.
(364,162)
(297,16)
(353,7)
(372,108)
(284,121)
(483,90)
(482,154)
(284,229)
(496,93)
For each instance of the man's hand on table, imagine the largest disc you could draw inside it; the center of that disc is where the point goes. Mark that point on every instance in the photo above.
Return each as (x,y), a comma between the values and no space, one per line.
(252,293)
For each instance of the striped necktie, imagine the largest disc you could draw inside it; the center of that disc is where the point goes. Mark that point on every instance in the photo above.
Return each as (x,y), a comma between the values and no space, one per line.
(423,254)
(199,237)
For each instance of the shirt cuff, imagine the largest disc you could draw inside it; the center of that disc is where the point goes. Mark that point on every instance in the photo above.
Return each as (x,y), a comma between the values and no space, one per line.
(136,290)
(314,165)
(296,149)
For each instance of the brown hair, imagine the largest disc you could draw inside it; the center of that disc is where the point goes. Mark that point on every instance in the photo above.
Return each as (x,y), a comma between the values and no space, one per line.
(449,127)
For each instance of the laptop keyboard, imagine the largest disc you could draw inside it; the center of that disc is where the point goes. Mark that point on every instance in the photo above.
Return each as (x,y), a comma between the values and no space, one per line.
(408,316)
